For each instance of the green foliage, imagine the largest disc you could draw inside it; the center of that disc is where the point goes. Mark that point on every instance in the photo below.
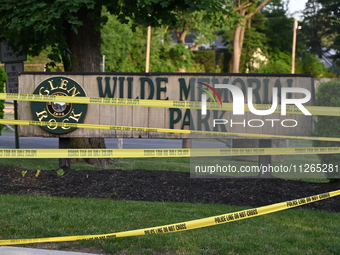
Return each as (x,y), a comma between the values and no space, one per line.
(136,55)
(60,172)
(311,64)
(225,61)
(278,31)
(278,63)
(161,48)
(180,56)
(116,41)
(276,66)
(3,78)
(37,24)
(196,68)
(202,24)
(278,28)
(34,25)
(206,59)
(254,45)
(313,27)
(125,49)
(328,126)
(321,27)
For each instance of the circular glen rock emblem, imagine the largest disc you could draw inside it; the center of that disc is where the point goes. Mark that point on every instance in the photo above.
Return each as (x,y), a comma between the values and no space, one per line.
(59,111)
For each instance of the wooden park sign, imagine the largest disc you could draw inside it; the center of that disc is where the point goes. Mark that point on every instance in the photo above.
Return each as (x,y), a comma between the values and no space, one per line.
(265,89)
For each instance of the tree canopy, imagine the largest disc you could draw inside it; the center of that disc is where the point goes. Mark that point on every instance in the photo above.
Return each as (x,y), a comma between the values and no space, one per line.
(321,19)
(72,28)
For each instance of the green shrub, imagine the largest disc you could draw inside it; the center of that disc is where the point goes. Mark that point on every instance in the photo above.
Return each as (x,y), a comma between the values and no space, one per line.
(180,56)
(328,94)
(276,66)
(278,63)
(205,58)
(3,78)
(311,64)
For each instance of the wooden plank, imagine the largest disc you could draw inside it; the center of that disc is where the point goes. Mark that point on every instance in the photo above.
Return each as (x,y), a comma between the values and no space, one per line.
(156,116)
(93,110)
(144,87)
(23,106)
(27,85)
(173,93)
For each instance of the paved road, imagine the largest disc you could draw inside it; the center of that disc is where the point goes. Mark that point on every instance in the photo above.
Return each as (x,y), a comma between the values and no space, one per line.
(7,141)
(9,250)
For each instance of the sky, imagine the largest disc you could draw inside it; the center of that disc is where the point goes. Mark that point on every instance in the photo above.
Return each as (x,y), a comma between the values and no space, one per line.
(296,5)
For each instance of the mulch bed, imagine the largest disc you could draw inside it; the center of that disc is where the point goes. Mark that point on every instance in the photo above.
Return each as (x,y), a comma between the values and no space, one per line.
(165,186)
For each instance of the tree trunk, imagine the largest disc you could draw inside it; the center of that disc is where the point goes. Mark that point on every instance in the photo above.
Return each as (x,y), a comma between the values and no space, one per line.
(238,44)
(181,35)
(84,56)
(84,45)
(240,30)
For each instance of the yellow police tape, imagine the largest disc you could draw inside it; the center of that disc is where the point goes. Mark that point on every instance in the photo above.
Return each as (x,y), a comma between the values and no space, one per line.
(160,153)
(162,130)
(291,109)
(187,225)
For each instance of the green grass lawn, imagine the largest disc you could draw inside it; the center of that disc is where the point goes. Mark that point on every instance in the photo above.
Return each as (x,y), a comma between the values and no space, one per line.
(43,164)
(292,231)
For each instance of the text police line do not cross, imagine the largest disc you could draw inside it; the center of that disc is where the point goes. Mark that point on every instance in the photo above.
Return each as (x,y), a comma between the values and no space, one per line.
(238,101)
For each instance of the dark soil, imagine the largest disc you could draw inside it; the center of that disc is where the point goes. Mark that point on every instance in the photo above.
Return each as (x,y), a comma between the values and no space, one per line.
(164,186)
